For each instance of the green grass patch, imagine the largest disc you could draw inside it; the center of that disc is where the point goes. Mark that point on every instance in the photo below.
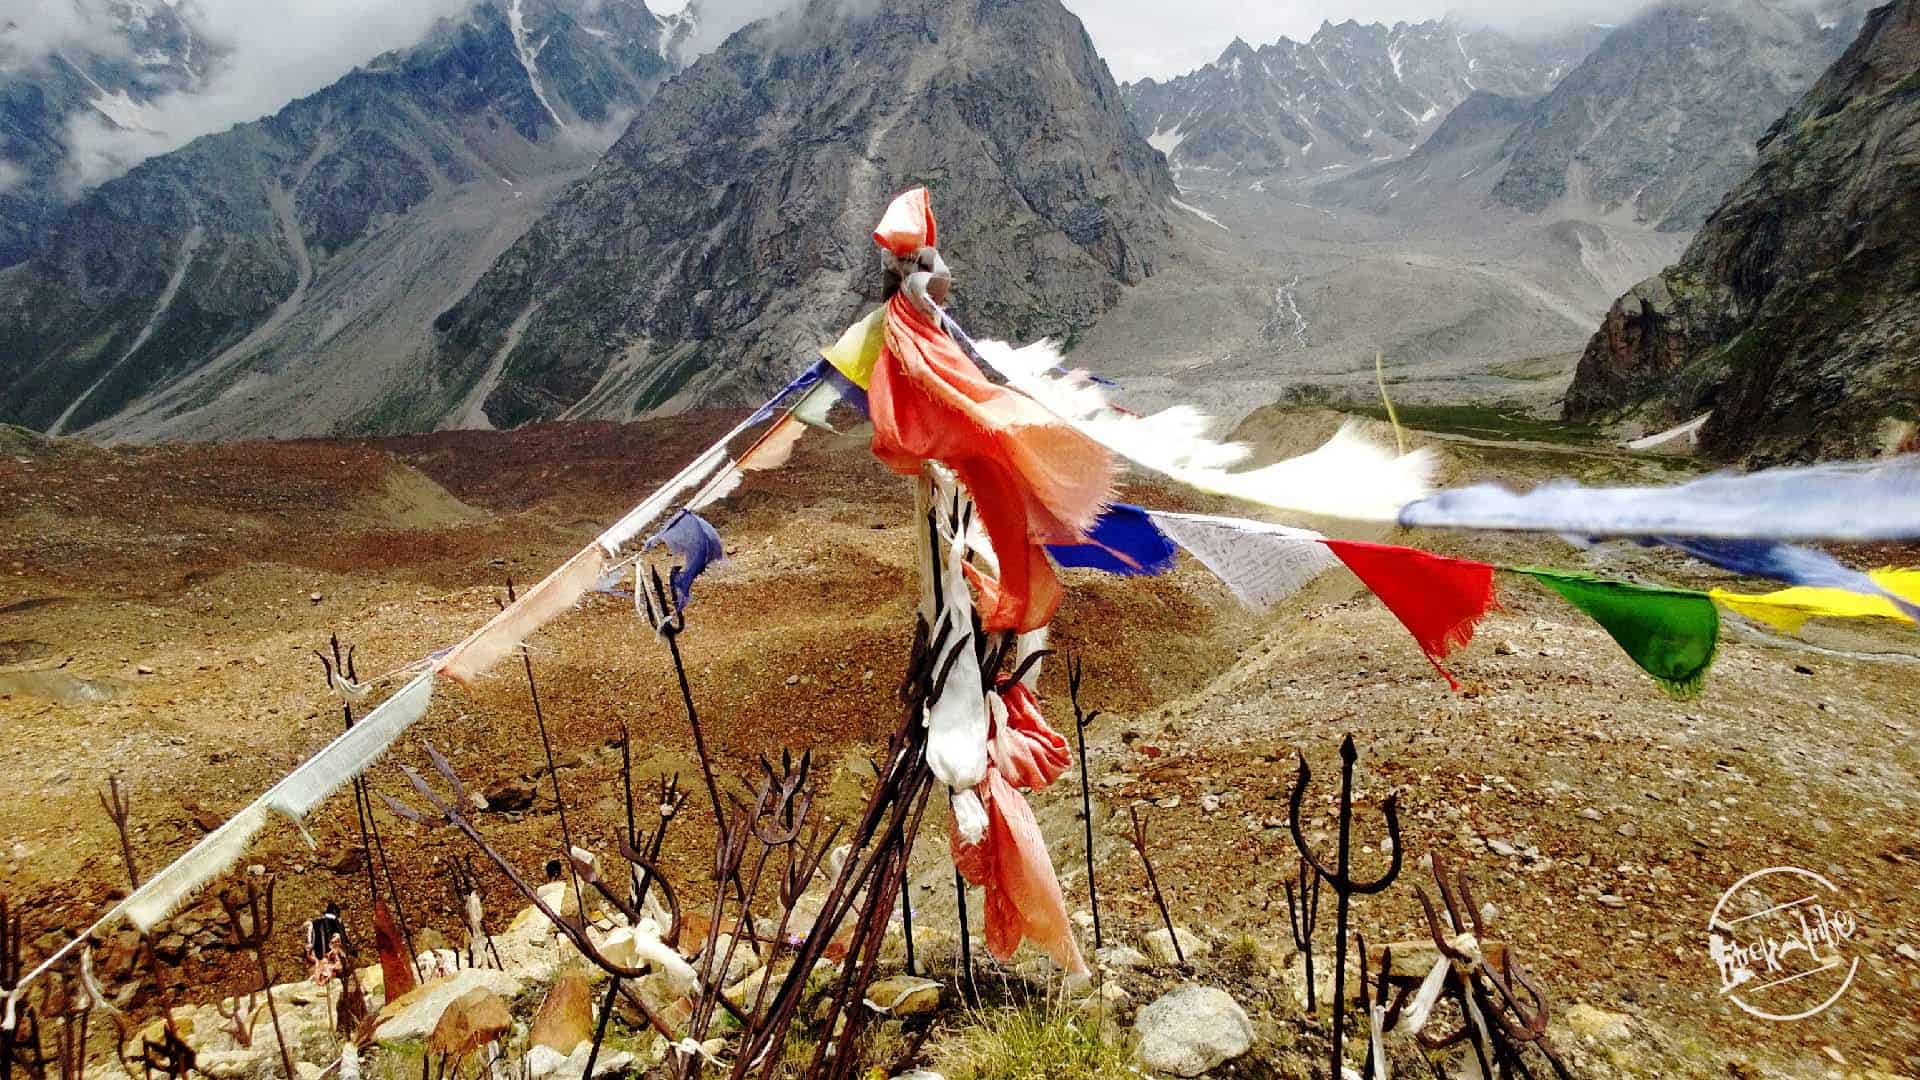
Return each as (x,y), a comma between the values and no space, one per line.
(399,1060)
(1487,422)
(1029,1044)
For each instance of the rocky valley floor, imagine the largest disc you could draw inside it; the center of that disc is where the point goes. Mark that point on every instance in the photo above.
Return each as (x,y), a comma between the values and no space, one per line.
(159,609)
(1273,294)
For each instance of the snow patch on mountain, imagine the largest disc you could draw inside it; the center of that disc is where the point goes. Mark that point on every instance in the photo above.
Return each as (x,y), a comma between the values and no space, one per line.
(529,54)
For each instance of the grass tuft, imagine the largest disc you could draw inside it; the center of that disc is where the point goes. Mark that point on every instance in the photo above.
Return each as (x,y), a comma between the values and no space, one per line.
(1242,955)
(1030,1044)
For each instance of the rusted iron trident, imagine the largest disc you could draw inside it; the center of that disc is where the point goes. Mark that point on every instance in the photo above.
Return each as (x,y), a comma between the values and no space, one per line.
(1339,877)
(1495,1023)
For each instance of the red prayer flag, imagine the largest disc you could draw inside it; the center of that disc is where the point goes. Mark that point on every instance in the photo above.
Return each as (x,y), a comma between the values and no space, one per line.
(1437,598)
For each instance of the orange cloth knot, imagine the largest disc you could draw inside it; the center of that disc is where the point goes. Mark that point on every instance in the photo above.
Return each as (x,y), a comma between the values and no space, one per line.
(1035,479)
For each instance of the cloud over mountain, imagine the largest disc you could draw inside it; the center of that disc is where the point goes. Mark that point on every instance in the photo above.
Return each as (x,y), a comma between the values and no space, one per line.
(264,61)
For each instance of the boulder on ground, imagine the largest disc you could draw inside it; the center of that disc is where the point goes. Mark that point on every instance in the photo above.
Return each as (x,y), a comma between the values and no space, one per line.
(414,1014)
(1121,958)
(473,1020)
(901,996)
(510,795)
(1160,945)
(1592,1023)
(1190,1030)
(566,1016)
(543,1062)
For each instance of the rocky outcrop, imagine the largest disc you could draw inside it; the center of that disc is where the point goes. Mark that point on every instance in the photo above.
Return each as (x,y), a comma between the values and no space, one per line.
(1661,118)
(207,268)
(725,236)
(1640,344)
(1350,95)
(1792,316)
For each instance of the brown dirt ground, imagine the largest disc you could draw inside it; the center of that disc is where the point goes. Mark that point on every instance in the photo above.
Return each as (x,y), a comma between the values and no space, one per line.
(187,574)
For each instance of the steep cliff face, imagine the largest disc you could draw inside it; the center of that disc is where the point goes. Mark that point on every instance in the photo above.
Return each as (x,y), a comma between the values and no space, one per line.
(1795,314)
(725,236)
(1352,94)
(1661,118)
(202,270)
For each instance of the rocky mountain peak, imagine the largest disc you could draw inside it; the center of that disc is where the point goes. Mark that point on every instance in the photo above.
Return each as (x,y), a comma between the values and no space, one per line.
(143,51)
(1238,50)
(1351,95)
(259,255)
(1661,118)
(725,236)
(1791,317)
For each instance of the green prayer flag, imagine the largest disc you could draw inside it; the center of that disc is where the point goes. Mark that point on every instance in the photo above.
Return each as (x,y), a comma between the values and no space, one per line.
(1670,633)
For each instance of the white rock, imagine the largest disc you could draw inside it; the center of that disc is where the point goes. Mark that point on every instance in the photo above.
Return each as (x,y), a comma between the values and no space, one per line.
(1191,1030)
(574,1065)
(1122,957)
(741,965)
(416,1014)
(531,949)
(230,1064)
(904,995)
(544,1061)
(1160,945)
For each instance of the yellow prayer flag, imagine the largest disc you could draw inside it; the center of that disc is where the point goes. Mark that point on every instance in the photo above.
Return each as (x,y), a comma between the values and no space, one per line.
(1789,609)
(859,348)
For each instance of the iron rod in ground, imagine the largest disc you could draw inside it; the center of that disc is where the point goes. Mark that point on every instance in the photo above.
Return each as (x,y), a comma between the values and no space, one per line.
(967,988)
(670,623)
(1080,724)
(906,909)
(553,771)
(393,892)
(1153,882)
(600,1027)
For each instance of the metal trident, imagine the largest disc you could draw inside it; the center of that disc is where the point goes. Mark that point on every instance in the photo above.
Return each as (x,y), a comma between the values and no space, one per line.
(1339,877)
(1486,990)
(573,926)
(250,927)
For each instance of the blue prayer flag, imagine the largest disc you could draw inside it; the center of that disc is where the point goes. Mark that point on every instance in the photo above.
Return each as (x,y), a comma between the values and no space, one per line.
(1124,541)
(1785,562)
(805,382)
(694,541)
